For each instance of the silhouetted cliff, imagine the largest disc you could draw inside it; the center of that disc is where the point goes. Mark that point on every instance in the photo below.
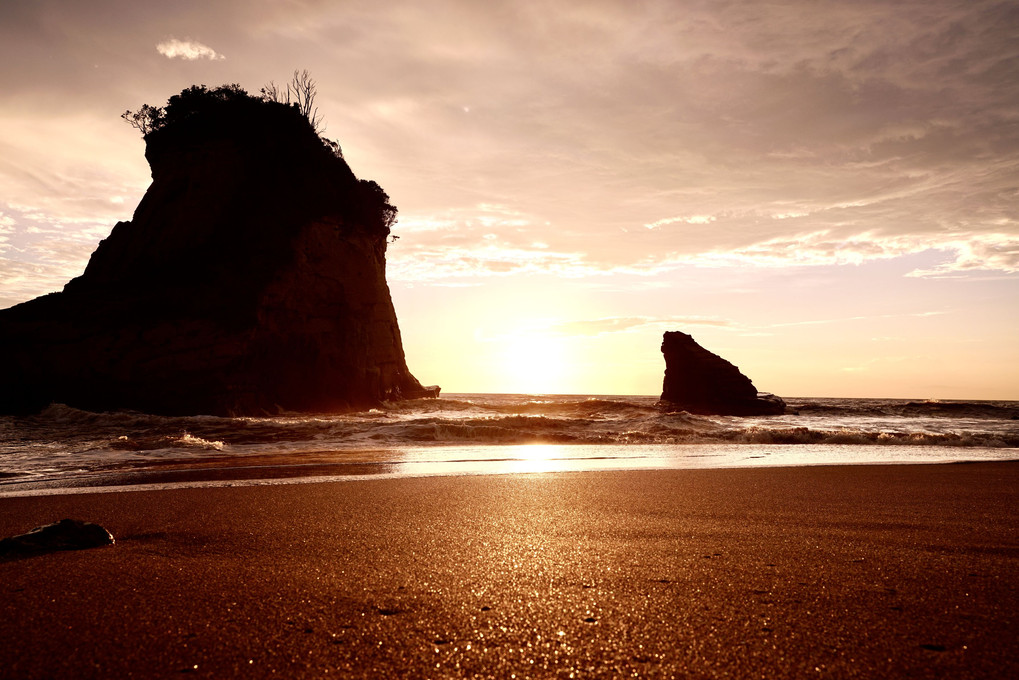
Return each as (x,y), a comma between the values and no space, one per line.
(250,280)
(699,381)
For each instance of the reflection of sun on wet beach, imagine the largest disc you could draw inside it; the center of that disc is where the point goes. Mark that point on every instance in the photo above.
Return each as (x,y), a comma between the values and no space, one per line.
(512,459)
(535,458)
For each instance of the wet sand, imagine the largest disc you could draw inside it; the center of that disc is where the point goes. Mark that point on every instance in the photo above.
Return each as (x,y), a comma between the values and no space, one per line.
(855,571)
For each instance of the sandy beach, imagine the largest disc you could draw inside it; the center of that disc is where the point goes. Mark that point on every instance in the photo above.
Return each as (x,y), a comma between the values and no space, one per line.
(853,571)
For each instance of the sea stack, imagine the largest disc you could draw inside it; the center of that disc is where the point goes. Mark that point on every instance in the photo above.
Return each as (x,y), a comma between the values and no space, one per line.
(698,381)
(250,280)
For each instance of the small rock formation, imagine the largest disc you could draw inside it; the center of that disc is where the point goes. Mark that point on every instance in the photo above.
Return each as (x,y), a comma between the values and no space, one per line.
(698,381)
(67,534)
(250,281)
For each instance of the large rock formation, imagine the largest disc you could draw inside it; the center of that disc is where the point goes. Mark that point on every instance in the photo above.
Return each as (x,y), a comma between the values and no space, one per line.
(698,381)
(250,280)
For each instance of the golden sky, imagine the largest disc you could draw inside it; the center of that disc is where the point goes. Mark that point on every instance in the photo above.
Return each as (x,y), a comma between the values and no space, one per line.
(824,193)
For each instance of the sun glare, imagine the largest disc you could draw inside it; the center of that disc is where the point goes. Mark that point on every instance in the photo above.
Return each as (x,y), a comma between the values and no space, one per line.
(533,363)
(535,458)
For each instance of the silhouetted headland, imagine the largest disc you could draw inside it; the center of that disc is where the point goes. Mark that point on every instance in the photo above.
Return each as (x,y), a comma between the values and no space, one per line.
(701,382)
(250,280)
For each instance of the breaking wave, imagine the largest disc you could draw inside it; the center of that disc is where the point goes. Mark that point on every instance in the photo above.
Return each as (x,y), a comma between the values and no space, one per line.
(520,419)
(62,439)
(932,408)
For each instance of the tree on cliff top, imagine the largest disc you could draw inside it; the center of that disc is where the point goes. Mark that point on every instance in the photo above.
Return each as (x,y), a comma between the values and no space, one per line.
(298,95)
(191,102)
(299,92)
(231,110)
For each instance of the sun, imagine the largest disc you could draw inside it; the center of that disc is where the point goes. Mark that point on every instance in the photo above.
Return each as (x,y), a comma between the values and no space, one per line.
(533,363)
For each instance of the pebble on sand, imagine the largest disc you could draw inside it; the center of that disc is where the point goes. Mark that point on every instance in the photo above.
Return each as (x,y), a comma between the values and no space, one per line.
(67,534)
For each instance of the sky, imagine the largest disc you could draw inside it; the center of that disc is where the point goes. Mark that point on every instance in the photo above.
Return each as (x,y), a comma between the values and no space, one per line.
(824,193)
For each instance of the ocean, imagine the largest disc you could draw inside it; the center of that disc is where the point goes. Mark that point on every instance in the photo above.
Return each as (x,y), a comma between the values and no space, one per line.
(64,449)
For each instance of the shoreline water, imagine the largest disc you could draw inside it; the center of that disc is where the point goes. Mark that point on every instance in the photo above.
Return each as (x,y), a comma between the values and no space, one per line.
(321,467)
(492,433)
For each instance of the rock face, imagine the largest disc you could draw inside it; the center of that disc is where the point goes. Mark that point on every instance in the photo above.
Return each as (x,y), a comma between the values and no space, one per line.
(251,280)
(698,381)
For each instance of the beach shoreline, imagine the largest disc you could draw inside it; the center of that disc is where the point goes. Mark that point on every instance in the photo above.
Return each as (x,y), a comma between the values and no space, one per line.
(840,571)
(304,467)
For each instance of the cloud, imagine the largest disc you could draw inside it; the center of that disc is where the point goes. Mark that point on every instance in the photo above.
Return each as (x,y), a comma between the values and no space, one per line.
(424,263)
(689,219)
(40,253)
(618,324)
(188,50)
(477,241)
(980,252)
(53,263)
(705,127)
(841,320)
(625,140)
(967,252)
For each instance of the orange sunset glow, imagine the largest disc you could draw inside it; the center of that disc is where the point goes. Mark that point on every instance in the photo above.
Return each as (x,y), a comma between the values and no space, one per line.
(823,194)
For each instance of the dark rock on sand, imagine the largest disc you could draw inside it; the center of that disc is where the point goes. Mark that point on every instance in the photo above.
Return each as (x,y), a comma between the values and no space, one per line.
(250,280)
(67,534)
(698,381)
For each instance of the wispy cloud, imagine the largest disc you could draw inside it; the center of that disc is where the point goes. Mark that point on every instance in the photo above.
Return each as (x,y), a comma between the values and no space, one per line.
(622,324)
(689,219)
(979,252)
(849,319)
(963,252)
(424,263)
(188,50)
